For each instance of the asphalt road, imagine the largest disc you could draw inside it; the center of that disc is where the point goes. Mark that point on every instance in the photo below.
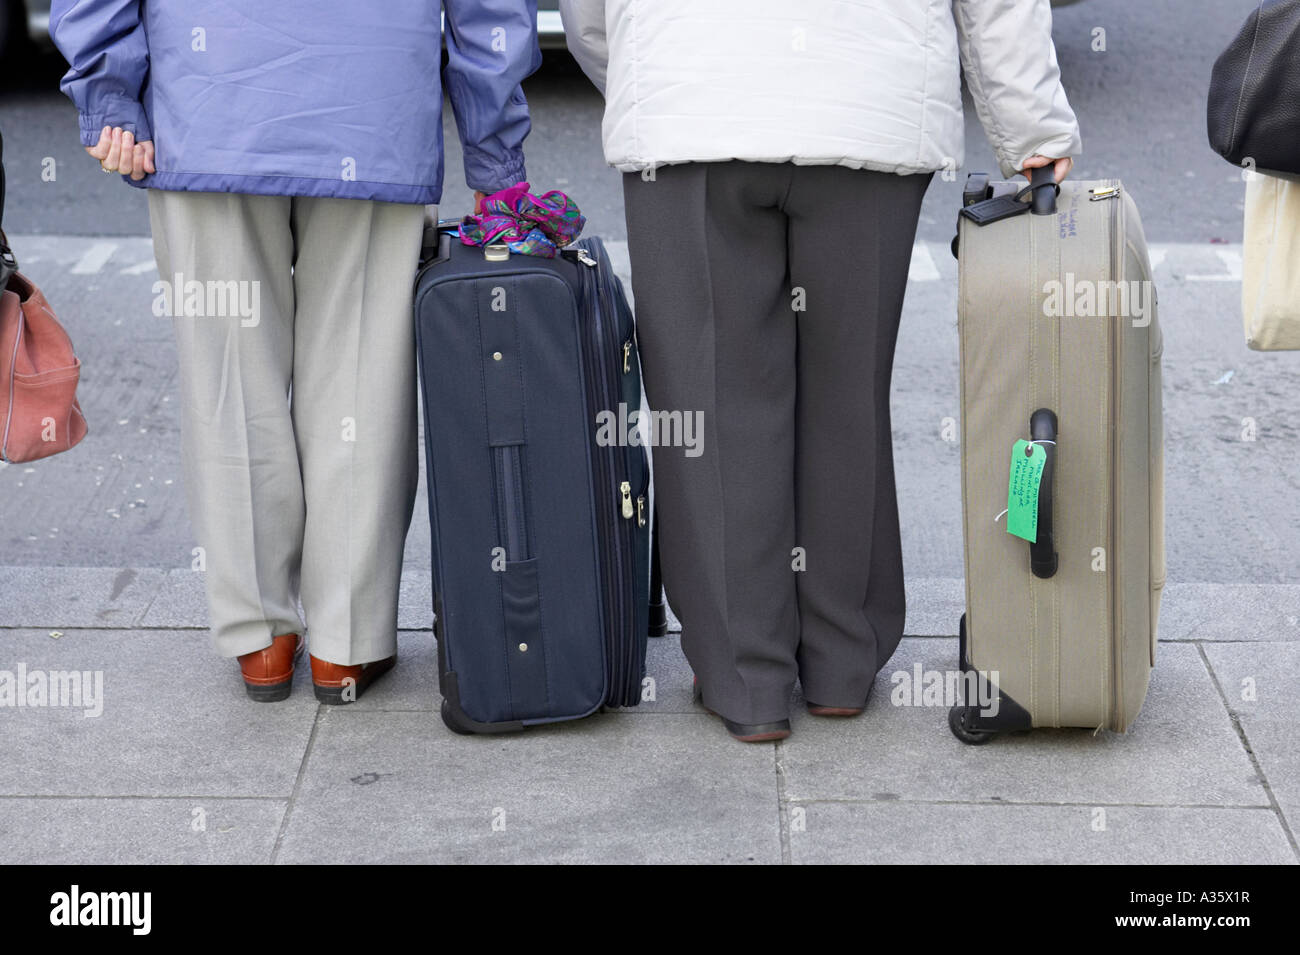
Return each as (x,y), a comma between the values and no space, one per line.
(1233,506)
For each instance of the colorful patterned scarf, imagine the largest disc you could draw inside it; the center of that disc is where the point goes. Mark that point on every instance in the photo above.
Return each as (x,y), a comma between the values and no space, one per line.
(528,224)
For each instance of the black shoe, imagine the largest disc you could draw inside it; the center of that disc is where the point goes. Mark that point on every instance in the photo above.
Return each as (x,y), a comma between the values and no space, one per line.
(817,709)
(758,732)
(747,732)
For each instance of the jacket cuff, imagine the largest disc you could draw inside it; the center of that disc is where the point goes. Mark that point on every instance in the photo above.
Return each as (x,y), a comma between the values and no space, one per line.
(485,173)
(1058,147)
(126,113)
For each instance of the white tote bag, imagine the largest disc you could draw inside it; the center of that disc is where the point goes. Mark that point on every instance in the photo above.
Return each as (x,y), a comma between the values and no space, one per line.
(1270,286)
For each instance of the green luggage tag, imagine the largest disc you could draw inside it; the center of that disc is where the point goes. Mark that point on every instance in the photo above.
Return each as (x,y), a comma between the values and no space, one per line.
(1027,462)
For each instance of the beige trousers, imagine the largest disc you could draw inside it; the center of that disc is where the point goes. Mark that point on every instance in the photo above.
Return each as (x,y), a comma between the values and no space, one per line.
(298,406)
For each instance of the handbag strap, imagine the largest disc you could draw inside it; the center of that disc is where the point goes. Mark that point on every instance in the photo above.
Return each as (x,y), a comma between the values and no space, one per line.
(8,264)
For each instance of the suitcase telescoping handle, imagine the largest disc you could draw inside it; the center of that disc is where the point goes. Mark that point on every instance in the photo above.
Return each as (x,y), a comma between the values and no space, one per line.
(1042,552)
(1042,182)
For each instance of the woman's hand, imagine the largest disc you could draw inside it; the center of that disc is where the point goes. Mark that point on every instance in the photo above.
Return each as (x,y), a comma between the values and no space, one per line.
(478,202)
(117,151)
(1063,166)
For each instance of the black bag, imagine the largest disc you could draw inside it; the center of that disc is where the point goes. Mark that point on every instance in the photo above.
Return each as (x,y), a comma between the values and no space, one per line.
(542,568)
(1254,104)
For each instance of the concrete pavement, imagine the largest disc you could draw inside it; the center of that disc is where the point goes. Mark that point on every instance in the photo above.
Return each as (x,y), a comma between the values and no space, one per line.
(180,767)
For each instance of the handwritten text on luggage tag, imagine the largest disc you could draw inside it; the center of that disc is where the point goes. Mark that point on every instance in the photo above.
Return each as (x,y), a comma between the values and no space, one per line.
(1027,462)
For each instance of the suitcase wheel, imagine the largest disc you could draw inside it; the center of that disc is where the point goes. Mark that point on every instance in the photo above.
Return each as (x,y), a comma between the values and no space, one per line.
(450,719)
(971,737)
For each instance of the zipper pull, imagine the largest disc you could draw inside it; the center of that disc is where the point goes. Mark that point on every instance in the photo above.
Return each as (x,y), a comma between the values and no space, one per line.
(640,510)
(583,256)
(627,356)
(1108,192)
(626,489)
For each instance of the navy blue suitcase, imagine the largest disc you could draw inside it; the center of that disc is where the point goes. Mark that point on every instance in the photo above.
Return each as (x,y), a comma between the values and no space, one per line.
(541,529)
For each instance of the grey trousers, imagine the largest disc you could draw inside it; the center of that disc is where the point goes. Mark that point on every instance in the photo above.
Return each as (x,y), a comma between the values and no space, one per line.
(768,297)
(298,410)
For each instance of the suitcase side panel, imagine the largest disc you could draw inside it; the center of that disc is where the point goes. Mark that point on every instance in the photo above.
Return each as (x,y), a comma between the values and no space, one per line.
(623,513)
(638,467)
(1140,495)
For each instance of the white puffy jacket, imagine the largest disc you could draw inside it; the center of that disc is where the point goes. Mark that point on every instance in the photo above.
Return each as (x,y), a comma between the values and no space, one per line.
(871,84)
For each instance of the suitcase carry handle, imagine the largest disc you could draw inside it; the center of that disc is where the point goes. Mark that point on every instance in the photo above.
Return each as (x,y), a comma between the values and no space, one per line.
(1042,182)
(1042,552)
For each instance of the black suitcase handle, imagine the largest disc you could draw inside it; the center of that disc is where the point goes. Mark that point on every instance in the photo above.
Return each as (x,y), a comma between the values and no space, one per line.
(1042,182)
(1042,552)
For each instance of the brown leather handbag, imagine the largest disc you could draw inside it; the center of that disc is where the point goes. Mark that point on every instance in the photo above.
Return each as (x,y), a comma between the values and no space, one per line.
(39,414)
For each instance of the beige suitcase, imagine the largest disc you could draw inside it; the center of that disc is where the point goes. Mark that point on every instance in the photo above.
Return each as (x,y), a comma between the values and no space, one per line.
(1060,348)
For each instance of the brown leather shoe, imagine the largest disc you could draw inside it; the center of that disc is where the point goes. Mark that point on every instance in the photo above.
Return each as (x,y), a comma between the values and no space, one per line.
(337,684)
(268,674)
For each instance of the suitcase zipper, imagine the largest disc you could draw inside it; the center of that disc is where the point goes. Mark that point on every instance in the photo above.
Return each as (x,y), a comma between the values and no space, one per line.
(624,543)
(613,532)
(602,480)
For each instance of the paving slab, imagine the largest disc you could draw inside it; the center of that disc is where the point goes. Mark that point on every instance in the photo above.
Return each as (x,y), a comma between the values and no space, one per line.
(1260,684)
(180,604)
(175,721)
(1232,612)
(965,834)
(1182,751)
(175,599)
(66,597)
(401,788)
(52,831)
